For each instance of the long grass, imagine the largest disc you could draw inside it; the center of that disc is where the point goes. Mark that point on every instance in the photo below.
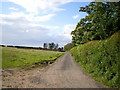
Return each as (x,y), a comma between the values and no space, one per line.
(13,57)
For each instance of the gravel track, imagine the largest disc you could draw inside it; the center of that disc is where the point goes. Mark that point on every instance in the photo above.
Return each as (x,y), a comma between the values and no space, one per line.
(63,73)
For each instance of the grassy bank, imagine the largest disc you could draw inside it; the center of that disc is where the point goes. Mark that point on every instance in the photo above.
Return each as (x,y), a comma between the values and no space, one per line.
(101,59)
(13,57)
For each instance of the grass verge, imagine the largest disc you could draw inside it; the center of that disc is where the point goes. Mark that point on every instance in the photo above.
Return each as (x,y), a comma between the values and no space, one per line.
(101,59)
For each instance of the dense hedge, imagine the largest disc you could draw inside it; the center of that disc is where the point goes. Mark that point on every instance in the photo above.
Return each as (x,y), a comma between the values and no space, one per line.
(101,59)
(68,46)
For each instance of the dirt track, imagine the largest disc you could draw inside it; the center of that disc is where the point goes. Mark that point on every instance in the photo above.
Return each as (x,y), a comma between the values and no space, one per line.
(64,73)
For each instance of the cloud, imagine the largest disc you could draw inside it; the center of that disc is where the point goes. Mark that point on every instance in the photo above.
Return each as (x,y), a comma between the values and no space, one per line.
(20,31)
(20,28)
(4,22)
(41,6)
(29,17)
(66,34)
(75,17)
(43,18)
(4,0)
(12,8)
(63,1)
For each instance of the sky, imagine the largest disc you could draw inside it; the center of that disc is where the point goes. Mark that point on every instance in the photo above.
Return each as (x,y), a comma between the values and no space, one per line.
(34,22)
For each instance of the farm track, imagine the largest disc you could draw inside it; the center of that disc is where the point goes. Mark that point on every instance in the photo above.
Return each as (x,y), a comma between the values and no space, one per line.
(64,73)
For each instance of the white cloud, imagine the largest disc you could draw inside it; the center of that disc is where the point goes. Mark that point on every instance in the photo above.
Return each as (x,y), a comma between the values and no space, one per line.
(19,31)
(12,8)
(43,18)
(75,17)
(41,6)
(14,15)
(20,28)
(66,34)
(29,17)
(37,10)
(4,0)
(60,0)
(4,22)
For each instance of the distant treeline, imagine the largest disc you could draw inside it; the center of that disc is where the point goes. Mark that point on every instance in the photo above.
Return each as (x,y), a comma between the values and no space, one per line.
(52,46)
(26,47)
(37,48)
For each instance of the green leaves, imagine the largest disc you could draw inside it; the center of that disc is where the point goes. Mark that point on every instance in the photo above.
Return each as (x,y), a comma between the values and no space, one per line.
(101,59)
(102,21)
(68,46)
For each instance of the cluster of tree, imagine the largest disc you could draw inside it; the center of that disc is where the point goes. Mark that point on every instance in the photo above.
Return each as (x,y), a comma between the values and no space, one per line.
(61,49)
(47,46)
(68,46)
(102,21)
(50,46)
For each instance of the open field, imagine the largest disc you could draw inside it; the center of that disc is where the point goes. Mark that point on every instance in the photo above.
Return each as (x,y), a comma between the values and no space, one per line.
(13,57)
(101,59)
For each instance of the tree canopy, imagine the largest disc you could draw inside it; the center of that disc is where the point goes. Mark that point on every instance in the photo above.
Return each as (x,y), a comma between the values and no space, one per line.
(68,46)
(101,22)
(50,45)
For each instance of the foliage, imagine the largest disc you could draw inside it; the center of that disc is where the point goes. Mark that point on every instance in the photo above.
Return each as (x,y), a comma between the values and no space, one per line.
(61,49)
(50,46)
(102,21)
(68,46)
(56,46)
(45,45)
(13,57)
(100,58)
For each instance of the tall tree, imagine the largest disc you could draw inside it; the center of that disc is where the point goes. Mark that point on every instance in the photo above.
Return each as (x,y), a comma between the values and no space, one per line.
(51,45)
(45,45)
(56,46)
(102,21)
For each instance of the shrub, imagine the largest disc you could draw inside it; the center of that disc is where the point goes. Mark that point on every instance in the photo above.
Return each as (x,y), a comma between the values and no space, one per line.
(100,59)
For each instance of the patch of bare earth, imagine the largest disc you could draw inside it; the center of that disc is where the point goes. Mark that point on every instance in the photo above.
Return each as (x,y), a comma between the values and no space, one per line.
(18,78)
(63,73)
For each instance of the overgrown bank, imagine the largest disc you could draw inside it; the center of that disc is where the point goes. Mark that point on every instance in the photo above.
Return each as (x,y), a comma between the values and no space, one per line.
(100,59)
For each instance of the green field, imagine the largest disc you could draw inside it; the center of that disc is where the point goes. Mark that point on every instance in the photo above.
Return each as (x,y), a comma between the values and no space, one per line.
(101,59)
(13,57)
